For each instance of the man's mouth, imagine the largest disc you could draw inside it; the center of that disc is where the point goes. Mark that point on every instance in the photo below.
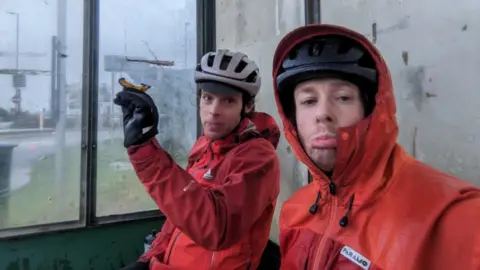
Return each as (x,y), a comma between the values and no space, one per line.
(214,124)
(324,142)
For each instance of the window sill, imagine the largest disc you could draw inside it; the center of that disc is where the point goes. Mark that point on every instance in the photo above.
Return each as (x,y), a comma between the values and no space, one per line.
(67,226)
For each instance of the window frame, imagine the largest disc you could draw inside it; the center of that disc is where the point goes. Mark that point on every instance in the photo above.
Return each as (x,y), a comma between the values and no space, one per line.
(88,163)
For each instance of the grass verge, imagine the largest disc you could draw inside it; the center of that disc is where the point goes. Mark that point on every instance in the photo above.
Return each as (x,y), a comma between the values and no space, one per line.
(44,201)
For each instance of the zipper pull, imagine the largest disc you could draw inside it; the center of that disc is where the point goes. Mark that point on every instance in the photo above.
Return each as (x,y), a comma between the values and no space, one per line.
(332,188)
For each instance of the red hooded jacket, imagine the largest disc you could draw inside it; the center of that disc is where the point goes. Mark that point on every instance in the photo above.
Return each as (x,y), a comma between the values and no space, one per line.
(401,213)
(219,210)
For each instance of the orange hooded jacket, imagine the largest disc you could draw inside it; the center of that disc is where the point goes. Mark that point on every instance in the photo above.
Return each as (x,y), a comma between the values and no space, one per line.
(220,209)
(396,212)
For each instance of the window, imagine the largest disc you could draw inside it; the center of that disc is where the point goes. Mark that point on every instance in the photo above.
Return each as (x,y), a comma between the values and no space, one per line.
(62,160)
(129,48)
(41,86)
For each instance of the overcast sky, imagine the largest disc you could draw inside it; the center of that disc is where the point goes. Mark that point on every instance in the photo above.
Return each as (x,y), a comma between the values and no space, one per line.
(123,26)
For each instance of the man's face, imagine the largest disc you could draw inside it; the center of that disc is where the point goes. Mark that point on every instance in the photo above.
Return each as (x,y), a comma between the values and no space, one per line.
(322,107)
(220,114)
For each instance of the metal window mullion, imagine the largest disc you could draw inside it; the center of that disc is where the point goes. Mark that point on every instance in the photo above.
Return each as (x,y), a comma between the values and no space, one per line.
(89,113)
(206,31)
(206,27)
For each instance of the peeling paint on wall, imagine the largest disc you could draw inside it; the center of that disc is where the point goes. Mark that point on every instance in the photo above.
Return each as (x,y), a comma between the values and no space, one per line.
(405,57)
(374,33)
(402,24)
(414,142)
(415,77)
(278,11)
(240,22)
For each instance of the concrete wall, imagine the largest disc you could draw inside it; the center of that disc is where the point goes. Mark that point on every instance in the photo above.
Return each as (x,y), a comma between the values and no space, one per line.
(255,27)
(432,50)
(431,47)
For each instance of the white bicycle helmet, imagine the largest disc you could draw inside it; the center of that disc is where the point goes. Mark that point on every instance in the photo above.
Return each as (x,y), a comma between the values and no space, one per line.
(231,69)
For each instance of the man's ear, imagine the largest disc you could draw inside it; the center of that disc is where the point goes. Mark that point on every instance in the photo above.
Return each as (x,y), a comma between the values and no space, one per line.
(249,108)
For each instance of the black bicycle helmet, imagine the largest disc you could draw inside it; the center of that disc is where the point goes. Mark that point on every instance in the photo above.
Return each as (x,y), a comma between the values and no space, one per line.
(329,56)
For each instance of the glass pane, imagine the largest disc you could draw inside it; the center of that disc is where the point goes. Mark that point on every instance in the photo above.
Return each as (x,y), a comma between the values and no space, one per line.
(40,115)
(160,30)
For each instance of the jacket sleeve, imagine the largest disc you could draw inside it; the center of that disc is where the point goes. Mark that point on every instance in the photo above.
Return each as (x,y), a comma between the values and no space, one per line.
(159,245)
(215,218)
(457,241)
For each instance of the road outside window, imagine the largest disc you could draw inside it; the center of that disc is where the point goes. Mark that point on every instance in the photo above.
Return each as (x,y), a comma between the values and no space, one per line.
(41,102)
(40,115)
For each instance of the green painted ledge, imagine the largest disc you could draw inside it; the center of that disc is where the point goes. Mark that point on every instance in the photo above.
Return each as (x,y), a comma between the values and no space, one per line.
(109,247)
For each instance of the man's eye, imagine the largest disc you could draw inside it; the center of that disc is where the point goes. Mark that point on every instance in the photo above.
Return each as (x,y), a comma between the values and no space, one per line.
(206,98)
(309,101)
(344,98)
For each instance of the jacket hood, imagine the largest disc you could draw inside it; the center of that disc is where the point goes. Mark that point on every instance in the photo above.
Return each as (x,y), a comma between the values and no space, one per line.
(363,150)
(257,125)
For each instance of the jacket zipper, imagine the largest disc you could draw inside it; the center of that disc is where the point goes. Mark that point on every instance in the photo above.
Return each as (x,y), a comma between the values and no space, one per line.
(211,155)
(212,261)
(171,248)
(324,237)
(178,234)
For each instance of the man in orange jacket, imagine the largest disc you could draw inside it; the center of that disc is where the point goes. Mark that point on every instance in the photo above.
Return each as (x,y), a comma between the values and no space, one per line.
(220,209)
(370,204)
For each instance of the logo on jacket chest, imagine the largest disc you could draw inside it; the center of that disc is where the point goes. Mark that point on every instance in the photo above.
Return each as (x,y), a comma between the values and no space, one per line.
(208,175)
(355,257)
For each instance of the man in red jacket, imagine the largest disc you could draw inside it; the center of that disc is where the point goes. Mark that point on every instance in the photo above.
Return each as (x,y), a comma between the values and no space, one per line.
(219,210)
(370,205)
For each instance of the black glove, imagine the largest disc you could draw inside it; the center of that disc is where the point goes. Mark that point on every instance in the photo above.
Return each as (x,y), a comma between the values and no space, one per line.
(140,115)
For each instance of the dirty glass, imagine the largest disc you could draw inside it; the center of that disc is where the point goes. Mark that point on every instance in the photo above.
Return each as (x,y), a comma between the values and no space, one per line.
(40,115)
(151,42)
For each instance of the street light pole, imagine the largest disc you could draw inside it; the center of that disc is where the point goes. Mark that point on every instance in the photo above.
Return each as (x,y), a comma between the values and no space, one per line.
(18,93)
(17,48)
(62,107)
(186,44)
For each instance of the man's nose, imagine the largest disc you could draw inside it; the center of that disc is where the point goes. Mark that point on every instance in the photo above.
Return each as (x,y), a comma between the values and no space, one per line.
(215,107)
(324,112)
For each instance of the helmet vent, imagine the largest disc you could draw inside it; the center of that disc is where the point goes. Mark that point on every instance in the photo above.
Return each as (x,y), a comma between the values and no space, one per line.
(210,60)
(252,77)
(316,49)
(294,53)
(344,48)
(225,62)
(240,66)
